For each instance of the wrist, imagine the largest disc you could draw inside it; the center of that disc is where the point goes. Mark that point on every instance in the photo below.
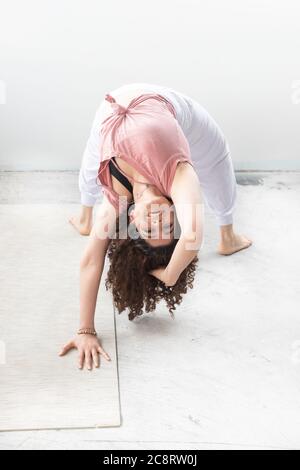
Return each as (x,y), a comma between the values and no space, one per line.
(170,279)
(85,326)
(87,331)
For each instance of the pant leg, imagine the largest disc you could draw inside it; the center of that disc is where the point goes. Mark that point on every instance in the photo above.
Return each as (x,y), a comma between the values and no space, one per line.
(219,189)
(211,156)
(87,181)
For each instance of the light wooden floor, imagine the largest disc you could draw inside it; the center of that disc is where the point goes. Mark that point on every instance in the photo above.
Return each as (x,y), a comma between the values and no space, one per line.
(226,372)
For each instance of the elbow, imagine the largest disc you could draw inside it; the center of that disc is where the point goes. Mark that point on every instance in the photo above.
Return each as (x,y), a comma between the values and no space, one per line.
(171,283)
(87,261)
(84,262)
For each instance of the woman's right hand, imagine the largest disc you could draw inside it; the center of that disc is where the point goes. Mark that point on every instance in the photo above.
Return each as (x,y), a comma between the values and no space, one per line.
(89,349)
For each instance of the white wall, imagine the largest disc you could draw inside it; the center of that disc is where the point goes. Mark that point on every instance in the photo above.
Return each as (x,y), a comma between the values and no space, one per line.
(239,58)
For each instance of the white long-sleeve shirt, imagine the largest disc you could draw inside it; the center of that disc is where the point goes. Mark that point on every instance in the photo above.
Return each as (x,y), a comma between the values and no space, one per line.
(209,149)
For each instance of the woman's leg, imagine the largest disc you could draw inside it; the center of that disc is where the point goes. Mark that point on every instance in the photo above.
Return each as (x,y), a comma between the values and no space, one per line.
(83,222)
(213,164)
(219,188)
(230,241)
(90,190)
(220,192)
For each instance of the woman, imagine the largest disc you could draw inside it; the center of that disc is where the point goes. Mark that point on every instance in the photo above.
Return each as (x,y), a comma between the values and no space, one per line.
(150,146)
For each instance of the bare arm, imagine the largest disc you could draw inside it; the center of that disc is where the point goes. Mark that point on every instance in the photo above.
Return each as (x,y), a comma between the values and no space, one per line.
(187,197)
(91,268)
(92,262)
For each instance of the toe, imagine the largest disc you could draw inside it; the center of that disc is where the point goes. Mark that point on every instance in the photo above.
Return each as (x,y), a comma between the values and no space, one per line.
(249,241)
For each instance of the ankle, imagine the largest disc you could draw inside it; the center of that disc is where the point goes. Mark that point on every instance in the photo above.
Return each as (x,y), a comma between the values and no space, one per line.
(226,231)
(86,215)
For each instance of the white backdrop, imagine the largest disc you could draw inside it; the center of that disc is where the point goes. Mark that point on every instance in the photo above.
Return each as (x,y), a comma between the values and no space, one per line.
(239,58)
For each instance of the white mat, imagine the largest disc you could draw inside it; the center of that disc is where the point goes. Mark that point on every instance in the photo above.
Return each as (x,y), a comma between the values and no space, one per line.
(39,311)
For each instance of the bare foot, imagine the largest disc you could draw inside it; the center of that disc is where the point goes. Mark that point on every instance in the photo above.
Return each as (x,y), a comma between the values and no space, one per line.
(233,243)
(83,227)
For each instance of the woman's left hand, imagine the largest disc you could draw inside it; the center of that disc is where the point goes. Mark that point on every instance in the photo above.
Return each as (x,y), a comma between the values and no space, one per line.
(161,274)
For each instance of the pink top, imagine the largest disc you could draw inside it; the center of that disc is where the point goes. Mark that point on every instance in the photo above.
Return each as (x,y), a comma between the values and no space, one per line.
(148,137)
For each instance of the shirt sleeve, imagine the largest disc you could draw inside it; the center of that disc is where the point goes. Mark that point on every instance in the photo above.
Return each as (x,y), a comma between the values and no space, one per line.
(89,188)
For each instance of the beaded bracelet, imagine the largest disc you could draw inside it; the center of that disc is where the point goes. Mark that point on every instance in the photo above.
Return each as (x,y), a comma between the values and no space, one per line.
(89,331)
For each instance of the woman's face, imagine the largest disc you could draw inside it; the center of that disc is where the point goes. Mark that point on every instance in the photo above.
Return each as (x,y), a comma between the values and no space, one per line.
(154,219)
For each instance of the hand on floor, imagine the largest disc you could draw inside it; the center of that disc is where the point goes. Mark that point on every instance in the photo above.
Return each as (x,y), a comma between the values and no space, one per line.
(89,349)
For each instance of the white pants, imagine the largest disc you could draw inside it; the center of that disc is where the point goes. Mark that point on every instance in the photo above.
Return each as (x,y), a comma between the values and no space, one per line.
(209,151)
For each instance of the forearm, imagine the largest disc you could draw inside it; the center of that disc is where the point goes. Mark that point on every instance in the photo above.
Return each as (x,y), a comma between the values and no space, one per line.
(190,217)
(90,276)
(185,251)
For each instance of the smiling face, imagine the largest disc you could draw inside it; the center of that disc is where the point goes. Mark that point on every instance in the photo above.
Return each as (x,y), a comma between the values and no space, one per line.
(154,220)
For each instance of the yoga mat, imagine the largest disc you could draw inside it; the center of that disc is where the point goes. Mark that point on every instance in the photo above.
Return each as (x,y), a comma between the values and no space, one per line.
(39,311)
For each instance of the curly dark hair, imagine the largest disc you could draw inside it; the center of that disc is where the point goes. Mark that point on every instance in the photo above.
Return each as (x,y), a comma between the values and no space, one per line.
(128,278)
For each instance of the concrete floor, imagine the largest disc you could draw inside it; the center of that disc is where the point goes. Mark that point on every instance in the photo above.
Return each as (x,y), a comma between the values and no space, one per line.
(226,373)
